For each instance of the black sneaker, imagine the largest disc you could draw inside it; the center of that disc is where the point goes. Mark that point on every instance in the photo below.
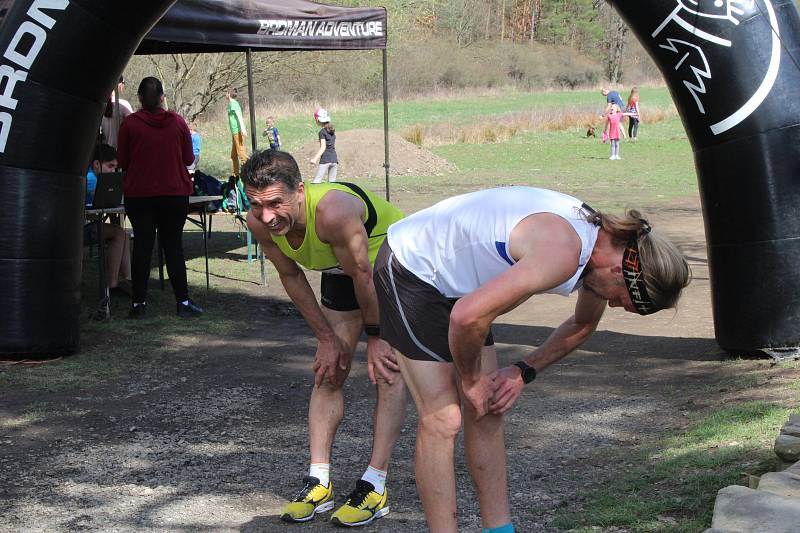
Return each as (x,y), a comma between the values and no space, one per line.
(138,311)
(188,309)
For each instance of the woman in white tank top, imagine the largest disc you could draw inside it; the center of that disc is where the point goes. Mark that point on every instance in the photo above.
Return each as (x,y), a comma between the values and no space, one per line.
(447,272)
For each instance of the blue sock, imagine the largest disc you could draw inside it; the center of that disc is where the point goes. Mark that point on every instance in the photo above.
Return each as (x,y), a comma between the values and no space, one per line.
(508,528)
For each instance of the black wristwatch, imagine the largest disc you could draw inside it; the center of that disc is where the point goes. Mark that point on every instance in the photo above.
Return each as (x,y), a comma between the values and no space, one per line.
(528,372)
(372,330)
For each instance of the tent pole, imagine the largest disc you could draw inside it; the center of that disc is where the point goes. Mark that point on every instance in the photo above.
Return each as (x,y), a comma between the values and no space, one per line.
(386,123)
(251,99)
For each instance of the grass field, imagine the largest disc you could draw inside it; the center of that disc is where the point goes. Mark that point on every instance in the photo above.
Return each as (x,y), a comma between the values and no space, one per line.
(561,159)
(679,474)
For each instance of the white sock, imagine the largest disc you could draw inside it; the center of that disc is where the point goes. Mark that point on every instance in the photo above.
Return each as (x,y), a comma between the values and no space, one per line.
(321,471)
(376,477)
(185,302)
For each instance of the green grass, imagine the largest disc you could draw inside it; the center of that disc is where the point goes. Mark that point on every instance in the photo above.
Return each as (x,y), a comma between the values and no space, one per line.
(299,129)
(657,169)
(33,413)
(677,479)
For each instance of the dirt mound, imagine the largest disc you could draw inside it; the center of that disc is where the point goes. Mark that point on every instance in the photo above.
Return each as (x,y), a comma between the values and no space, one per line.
(361,155)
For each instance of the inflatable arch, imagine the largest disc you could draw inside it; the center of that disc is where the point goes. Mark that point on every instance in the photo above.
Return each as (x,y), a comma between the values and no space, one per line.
(732,68)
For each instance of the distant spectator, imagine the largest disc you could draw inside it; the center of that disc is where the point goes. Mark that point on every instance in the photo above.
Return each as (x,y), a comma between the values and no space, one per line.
(197,146)
(238,131)
(155,147)
(272,135)
(115,239)
(326,155)
(634,113)
(614,130)
(612,97)
(112,119)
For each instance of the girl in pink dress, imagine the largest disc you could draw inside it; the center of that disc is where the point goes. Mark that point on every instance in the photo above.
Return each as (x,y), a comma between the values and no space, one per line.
(613,129)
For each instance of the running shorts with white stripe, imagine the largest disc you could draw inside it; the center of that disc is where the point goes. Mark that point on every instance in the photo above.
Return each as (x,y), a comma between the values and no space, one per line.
(415,316)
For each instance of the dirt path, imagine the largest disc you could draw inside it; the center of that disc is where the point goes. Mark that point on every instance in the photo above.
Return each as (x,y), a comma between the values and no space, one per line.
(213,438)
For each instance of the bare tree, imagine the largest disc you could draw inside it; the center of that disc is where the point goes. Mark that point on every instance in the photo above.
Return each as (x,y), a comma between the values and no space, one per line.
(536,16)
(616,34)
(194,82)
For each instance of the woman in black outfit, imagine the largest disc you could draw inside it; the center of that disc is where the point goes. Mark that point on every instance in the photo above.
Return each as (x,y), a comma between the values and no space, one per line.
(155,147)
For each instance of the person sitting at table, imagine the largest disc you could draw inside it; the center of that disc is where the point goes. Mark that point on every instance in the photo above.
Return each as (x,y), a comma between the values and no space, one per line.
(155,147)
(115,238)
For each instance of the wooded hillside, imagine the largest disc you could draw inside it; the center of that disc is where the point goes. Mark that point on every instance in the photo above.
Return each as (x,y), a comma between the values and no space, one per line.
(434,45)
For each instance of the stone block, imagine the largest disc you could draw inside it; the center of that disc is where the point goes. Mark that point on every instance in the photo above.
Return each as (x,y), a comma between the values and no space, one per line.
(787,448)
(783,483)
(794,468)
(791,429)
(794,419)
(739,509)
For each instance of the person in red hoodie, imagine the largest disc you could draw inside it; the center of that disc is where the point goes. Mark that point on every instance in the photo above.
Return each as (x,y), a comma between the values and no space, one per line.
(155,147)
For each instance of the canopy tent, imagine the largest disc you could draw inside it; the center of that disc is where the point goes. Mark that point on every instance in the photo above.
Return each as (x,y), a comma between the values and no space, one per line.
(226,26)
(197,26)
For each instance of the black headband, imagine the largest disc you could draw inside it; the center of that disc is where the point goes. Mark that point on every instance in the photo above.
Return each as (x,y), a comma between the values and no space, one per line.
(633,274)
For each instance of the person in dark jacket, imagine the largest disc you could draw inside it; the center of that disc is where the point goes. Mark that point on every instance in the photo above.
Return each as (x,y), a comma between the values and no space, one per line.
(155,147)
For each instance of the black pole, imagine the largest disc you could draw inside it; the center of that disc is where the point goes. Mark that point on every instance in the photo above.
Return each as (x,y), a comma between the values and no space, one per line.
(386,122)
(251,99)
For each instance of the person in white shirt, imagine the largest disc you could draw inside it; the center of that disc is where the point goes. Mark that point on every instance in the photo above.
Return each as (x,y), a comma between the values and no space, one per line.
(114,114)
(447,272)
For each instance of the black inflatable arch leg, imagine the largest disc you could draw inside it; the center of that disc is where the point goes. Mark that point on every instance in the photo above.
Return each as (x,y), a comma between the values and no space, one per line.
(733,70)
(59,60)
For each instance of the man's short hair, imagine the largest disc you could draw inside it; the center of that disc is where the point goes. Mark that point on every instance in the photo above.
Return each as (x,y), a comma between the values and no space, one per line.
(104,153)
(267,167)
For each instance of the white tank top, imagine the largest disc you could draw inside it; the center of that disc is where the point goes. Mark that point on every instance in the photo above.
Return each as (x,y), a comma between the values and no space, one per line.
(461,243)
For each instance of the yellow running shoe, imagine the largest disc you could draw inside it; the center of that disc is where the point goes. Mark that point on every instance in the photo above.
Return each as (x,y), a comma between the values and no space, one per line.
(313,498)
(363,505)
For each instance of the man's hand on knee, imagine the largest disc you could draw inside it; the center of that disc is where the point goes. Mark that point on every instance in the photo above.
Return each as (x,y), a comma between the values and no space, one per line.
(331,362)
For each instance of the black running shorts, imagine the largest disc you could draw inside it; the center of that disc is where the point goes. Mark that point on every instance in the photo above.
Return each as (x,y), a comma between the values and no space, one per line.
(337,292)
(415,316)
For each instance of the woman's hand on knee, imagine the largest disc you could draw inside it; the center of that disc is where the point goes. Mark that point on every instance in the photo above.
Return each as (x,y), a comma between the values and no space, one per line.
(509,385)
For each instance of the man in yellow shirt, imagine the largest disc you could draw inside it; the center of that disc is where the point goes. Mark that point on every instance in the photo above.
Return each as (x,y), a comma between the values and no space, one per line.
(335,228)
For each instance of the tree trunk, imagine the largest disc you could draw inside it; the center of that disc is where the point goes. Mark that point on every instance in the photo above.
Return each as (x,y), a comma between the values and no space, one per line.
(503,21)
(536,15)
(616,49)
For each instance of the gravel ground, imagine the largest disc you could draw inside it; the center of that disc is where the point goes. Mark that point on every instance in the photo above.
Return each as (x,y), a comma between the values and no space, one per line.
(214,437)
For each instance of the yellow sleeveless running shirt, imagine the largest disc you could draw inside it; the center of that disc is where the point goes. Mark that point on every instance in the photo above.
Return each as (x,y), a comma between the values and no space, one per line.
(317,255)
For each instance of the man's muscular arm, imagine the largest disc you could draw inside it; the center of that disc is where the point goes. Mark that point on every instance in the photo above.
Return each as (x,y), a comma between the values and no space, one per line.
(564,340)
(340,224)
(330,350)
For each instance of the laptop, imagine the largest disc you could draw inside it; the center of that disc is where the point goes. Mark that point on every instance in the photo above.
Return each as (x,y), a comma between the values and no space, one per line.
(108,192)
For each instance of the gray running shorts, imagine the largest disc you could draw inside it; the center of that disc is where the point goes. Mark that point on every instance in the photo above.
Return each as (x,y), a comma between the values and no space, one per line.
(415,316)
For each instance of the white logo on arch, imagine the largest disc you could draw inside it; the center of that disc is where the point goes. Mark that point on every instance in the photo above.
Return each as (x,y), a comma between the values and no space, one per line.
(731,11)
